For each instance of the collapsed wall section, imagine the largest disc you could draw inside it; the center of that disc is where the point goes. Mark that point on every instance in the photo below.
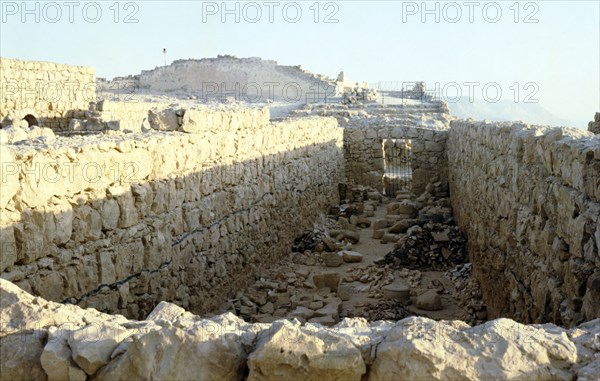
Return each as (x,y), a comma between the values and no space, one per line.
(528,198)
(122,222)
(52,93)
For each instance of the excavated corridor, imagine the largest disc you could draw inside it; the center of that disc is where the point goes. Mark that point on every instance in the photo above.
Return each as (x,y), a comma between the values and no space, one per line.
(374,257)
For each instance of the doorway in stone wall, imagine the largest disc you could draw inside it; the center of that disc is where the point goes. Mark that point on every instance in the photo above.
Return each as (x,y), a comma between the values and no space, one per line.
(397,168)
(31,120)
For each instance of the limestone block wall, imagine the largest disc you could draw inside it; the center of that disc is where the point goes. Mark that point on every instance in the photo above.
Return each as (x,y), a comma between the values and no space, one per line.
(366,125)
(594,126)
(364,153)
(53,93)
(246,79)
(122,222)
(528,198)
(128,115)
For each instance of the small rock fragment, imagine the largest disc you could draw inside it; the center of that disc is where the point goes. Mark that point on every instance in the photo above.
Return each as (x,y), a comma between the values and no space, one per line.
(429,301)
(351,256)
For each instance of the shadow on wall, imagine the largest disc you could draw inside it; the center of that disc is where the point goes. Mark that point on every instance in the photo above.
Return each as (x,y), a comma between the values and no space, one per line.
(192,239)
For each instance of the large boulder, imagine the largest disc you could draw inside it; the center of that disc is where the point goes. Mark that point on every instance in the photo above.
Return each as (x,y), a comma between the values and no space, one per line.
(188,350)
(420,348)
(291,352)
(93,345)
(41,340)
(56,358)
(22,311)
(165,119)
(20,356)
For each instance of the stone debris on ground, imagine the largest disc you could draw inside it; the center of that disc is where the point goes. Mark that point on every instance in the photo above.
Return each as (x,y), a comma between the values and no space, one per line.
(428,238)
(326,278)
(386,309)
(432,246)
(467,293)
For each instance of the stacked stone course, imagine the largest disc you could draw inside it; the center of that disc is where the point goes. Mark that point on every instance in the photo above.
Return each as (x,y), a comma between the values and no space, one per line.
(594,126)
(367,125)
(53,93)
(122,222)
(528,198)
(364,154)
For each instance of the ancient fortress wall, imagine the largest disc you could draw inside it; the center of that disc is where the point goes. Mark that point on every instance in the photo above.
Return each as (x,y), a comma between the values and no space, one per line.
(594,125)
(53,93)
(366,126)
(125,116)
(528,198)
(364,154)
(121,222)
(245,79)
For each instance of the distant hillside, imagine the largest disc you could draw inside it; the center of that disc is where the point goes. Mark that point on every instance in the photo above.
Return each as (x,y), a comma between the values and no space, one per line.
(248,79)
(506,110)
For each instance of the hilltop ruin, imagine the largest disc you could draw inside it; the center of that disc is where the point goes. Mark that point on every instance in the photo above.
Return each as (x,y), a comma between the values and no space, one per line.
(352,216)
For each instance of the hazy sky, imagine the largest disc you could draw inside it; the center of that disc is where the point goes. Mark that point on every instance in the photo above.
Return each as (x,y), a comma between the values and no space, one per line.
(548,50)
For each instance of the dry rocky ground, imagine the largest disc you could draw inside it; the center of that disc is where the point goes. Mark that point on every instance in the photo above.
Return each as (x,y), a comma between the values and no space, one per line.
(345,272)
(373,257)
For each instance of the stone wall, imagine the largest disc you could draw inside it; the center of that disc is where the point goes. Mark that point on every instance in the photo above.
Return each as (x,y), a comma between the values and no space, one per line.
(47,341)
(594,126)
(130,115)
(119,116)
(53,93)
(364,154)
(121,222)
(528,198)
(366,125)
(245,79)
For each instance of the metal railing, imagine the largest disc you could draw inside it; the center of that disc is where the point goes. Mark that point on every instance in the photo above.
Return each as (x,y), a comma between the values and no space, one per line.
(397,168)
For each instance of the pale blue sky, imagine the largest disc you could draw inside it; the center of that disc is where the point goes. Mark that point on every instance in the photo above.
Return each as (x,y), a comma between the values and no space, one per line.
(560,53)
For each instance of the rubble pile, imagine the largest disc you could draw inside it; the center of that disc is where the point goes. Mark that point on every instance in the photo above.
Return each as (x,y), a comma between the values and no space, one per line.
(387,309)
(430,240)
(467,293)
(359,95)
(22,132)
(332,272)
(306,241)
(433,246)
(290,291)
